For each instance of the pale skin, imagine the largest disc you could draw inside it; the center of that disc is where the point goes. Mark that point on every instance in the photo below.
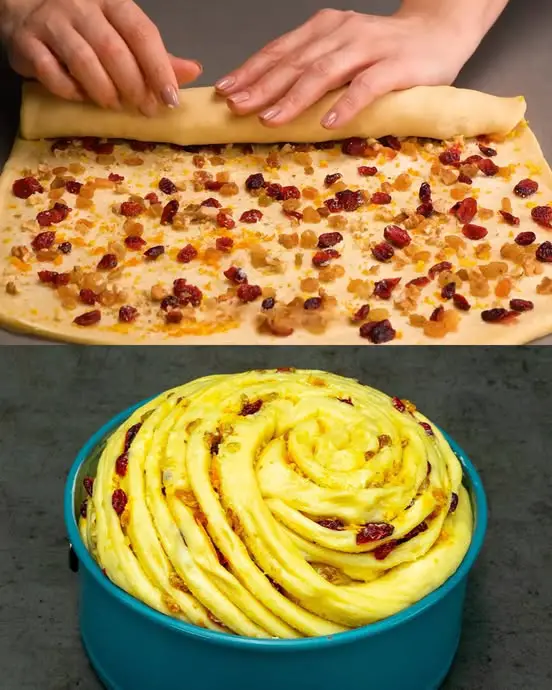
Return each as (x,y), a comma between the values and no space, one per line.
(110,52)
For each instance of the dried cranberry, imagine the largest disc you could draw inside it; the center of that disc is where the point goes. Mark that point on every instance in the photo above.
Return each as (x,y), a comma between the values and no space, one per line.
(255,181)
(65,247)
(439,268)
(294,214)
(324,257)
(496,315)
(142,146)
(542,215)
(155,252)
(397,236)
(544,252)
(525,238)
(167,186)
(61,144)
(131,209)
(312,303)
(347,401)
(57,214)
(128,314)
(118,501)
(329,180)
(487,151)
(525,188)
(465,210)
(211,202)
(189,294)
(425,209)
(44,240)
(186,254)
(350,200)
(374,531)
(84,508)
(249,293)
(521,305)
(131,434)
(425,192)
(152,198)
(487,167)
(380,198)
(361,314)
(274,191)
(419,529)
(367,170)
(121,464)
(329,239)
(26,186)
(378,331)
(427,428)
(88,296)
(73,187)
(107,262)
(509,218)
(420,282)
(333,205)
(236,275)
(464,179)
(224,244)
(474,232)
(398,404)
(438,314)
(169,212)
(470,160)
(268,303)
(448,290)
(88,318)
(383,252)
(355,146)
(47,276)
(225,221)
(332,523)
(251,216)
(169,302)
(390,142)
(460,302)
(134,242)
(383,550)
(384,288)
(450,157)
(174,316)
(114,177)
(250,408)
(453,502)
(88,483)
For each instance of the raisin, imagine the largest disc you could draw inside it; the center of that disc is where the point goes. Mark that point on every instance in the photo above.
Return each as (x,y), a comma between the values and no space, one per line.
(268,303)
(169,302)
(169,212)
(544,252)
(274,191)
(354,146)
(347,401)
(383,252)
(465,210)
(350,200)
(294,214)
(420,282)
(225,221)
(381,552)
(249,293)
(542,215)
(332,523)
(425,192)
(142,146)
(487,151)
(211,202)
(439,268)
(453,502)
(312,303)
(464,179)
(255,181)
(114,177)
(44,240)
(361,314)
(251,216)
(496,315)
(174,316)
(329,180)
(167,186)
(88,318)
(450,157)
(128,314)
(521,305)
(509,218)
(333,205)
(380,198)
(438,314)
(329,239)
(84,507)
(236,275)
(213,185)
(250,408)
(155,252)
(152,198)
(367,170)
(448,290)
(425,209)
(470,160)
(88,483)
(374,531)
(73,187)
(118,501)
(26,186)
(88,296)
(378,331)
(525,238)
(61,144)
(135,242)
(131,209)
(121,464)
(107,262)
(460,302)
(487,167)
(397,236)
(131,435)
(65,247)
(474,232)
(525,188)
(390,142)
(186,254)
(398,404)
(384,288)
(224,244)
(422,527)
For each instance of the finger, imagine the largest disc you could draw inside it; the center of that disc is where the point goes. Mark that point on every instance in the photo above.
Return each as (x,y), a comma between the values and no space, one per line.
(185,70)
(372,83)
(84,66)
(275,83)
(34,60)
(320,24)
(145,42)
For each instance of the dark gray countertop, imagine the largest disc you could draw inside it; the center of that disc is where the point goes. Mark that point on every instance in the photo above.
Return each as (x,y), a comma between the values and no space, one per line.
(514,58)
(492,401)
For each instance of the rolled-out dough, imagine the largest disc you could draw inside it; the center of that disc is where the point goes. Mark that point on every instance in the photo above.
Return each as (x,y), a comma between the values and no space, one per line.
(438,112)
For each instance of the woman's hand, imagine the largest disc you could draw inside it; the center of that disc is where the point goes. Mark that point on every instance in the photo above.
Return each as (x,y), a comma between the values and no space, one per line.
(105,50)
(418,45)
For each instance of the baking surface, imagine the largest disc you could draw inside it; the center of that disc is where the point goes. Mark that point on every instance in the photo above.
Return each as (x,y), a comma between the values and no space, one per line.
(52,402)
(505,64)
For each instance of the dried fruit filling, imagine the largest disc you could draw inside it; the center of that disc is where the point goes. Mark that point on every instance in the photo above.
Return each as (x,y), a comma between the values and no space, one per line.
(360,533)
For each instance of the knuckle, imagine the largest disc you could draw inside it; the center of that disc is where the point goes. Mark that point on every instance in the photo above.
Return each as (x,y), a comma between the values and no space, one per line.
(328,13)
(292,101)
(322,67)
(140,32)
(349,103)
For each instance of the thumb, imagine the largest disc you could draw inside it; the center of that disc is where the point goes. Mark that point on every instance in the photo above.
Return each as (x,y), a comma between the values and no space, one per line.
(185,70)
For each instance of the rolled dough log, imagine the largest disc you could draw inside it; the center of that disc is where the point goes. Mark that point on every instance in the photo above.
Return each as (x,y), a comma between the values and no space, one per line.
(438,112)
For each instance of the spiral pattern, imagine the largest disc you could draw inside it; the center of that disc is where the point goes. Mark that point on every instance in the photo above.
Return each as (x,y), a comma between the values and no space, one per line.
(277,504)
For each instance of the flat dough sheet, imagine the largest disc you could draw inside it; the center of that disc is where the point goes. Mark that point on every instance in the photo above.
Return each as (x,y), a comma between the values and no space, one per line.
(437,112)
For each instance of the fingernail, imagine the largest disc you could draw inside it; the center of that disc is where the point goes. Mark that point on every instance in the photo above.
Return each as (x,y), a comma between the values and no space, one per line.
(226,83)
(199,65)
(169,96)
(269,114)
(239,97)
(329,119)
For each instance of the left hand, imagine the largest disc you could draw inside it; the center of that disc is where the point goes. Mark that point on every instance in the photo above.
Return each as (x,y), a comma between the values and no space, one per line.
(375,54)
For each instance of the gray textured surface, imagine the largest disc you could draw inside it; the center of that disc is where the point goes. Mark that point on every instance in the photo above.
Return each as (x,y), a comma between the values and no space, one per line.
(514,57)
(492,401)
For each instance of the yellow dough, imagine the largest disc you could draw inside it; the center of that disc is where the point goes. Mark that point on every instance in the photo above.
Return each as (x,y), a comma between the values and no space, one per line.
(439,112)
(227,482)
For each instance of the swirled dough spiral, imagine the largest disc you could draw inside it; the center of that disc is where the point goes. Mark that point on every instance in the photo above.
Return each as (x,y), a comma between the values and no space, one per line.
(277,504)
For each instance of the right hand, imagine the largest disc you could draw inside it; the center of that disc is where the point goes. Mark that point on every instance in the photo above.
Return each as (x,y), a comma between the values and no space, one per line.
(107,51)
